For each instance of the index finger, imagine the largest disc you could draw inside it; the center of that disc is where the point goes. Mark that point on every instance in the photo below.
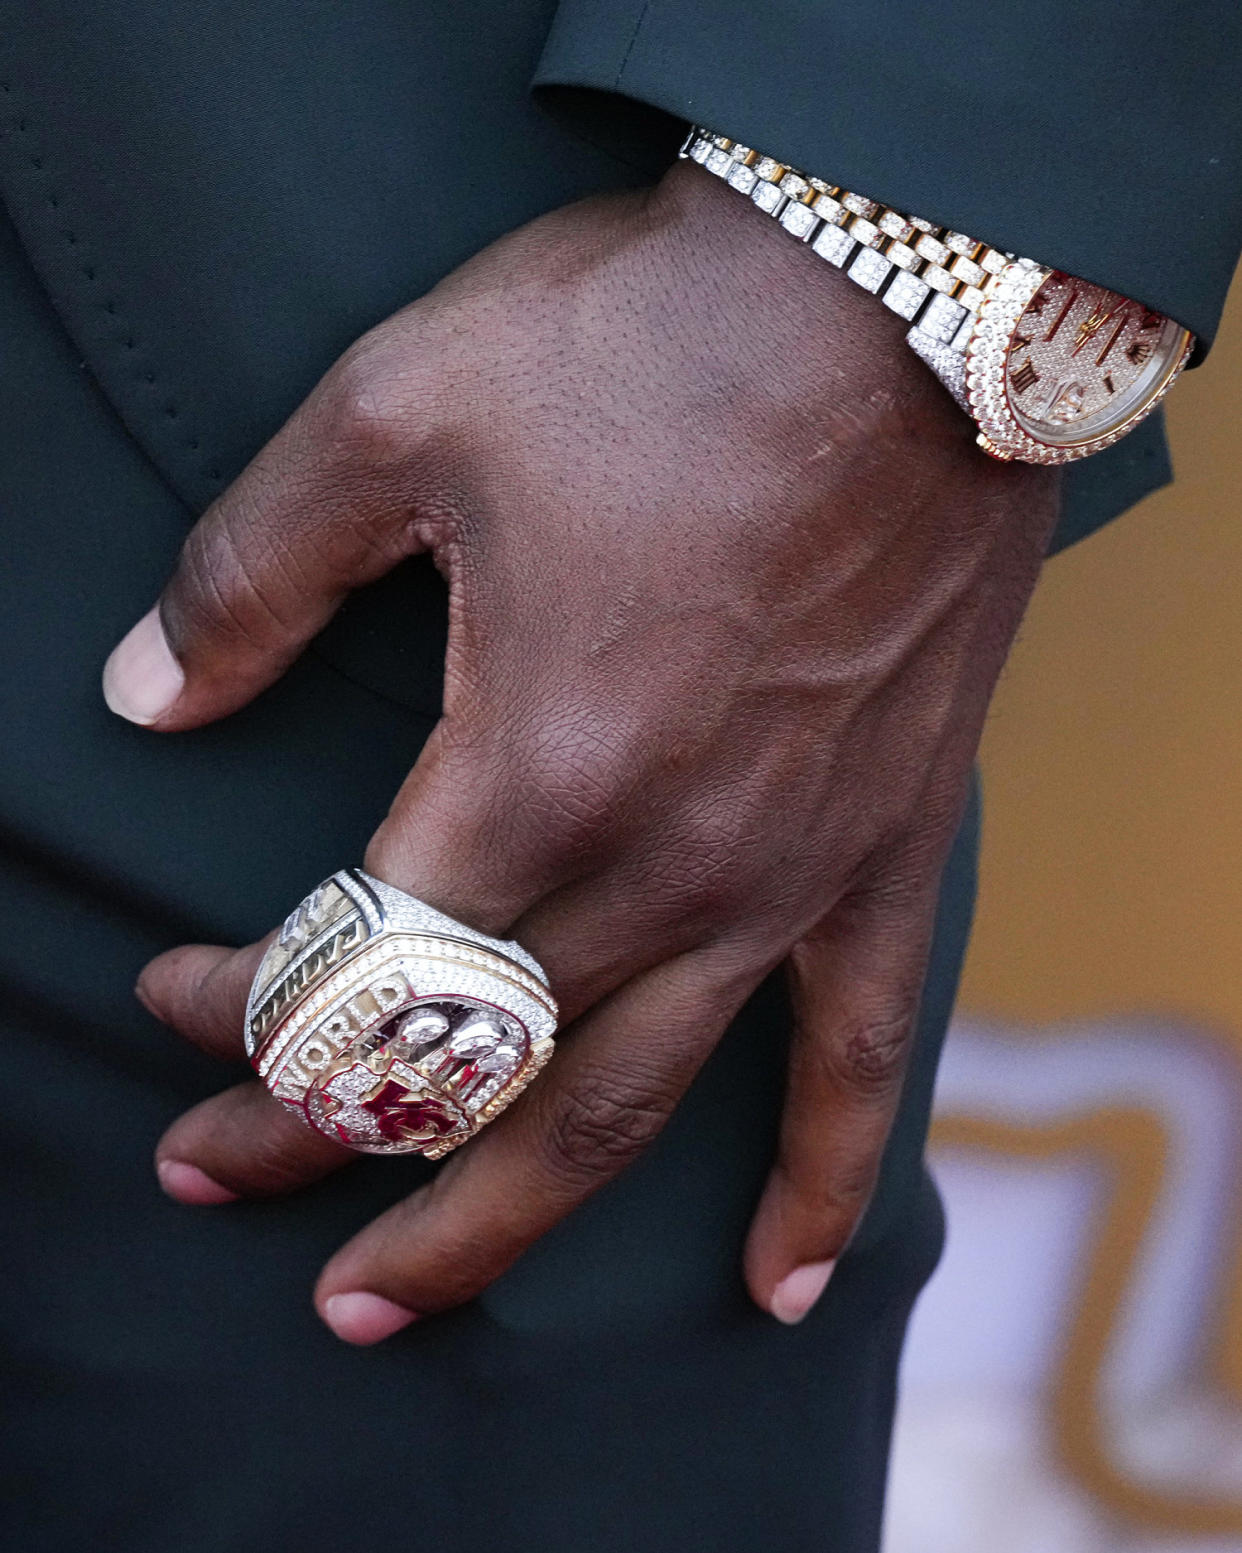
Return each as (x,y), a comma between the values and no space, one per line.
(201,990)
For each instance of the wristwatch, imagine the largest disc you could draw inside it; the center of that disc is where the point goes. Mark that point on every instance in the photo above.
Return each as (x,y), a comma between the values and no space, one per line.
(1052,368)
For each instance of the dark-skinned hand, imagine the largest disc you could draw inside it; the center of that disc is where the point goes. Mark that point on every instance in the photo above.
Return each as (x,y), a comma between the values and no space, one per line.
(731,586)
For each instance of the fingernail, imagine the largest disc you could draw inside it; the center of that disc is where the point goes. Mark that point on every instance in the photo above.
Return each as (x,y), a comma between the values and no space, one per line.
(365,1318)
(189,1184)
(144,997)
(794,1295)
(142,679)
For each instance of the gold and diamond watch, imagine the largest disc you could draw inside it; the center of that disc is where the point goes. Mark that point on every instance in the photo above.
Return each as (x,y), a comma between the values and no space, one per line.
(1052,368)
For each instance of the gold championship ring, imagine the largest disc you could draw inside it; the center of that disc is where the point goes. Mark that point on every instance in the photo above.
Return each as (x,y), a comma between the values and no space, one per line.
(388,1026)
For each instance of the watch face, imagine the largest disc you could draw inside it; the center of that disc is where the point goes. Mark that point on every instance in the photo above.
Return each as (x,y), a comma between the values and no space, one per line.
(1083,361)
(1058,368)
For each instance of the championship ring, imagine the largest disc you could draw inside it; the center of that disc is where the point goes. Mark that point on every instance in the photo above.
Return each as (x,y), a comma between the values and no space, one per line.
(388,1026)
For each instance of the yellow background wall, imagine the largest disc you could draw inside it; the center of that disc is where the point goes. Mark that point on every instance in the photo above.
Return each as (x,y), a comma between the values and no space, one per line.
(1112,869)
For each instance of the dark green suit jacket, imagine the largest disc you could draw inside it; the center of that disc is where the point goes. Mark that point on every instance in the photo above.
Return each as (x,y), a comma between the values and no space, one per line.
(202,206)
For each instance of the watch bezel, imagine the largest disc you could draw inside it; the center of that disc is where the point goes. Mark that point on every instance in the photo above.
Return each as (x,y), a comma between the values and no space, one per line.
(987,350)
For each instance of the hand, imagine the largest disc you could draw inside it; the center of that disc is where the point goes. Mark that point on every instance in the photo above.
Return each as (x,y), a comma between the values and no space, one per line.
(730,589)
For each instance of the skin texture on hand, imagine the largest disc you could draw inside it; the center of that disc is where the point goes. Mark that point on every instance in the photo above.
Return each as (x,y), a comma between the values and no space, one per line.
(730,588)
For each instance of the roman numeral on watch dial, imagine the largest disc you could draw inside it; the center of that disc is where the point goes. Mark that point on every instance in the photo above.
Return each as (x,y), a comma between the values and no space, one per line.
(1025,377)
(1122,321)
(1062,315)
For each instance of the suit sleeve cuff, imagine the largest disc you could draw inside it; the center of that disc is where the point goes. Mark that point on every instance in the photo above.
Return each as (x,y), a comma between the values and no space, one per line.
(1052,132)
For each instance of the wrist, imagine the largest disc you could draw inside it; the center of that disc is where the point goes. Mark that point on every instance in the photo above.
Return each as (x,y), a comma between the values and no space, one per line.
(846,405)
(812,326)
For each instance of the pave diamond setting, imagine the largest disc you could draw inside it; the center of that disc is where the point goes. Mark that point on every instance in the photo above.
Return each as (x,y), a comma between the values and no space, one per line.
(834,244)
(870,270)
(896,226)
(860,205)
(409,1040)
(801,220)
(829,209)
(767,196)
(742,178)
(942,318)
(906,295)
(993,384)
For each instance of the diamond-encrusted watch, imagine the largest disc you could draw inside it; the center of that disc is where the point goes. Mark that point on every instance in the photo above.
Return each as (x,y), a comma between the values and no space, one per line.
(1052,368)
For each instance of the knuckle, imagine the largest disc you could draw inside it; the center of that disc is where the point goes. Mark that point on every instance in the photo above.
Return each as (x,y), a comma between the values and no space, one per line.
(463,1264)
(701,888)
(370,404)
(276,1164)
(568,802)
(388,432)
(601,1126)
(869,1055)
(570,771)
(708,869)
(214,594)
(905,868)
(834,1197)
(848,1190)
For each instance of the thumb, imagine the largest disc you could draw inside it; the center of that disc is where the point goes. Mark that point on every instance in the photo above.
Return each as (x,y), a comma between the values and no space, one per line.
(330,504)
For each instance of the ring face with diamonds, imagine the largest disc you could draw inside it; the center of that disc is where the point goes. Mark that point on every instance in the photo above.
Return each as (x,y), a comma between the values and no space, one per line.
(390,1027)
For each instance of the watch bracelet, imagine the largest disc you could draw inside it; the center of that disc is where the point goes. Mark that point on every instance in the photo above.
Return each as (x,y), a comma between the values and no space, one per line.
(934,278)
